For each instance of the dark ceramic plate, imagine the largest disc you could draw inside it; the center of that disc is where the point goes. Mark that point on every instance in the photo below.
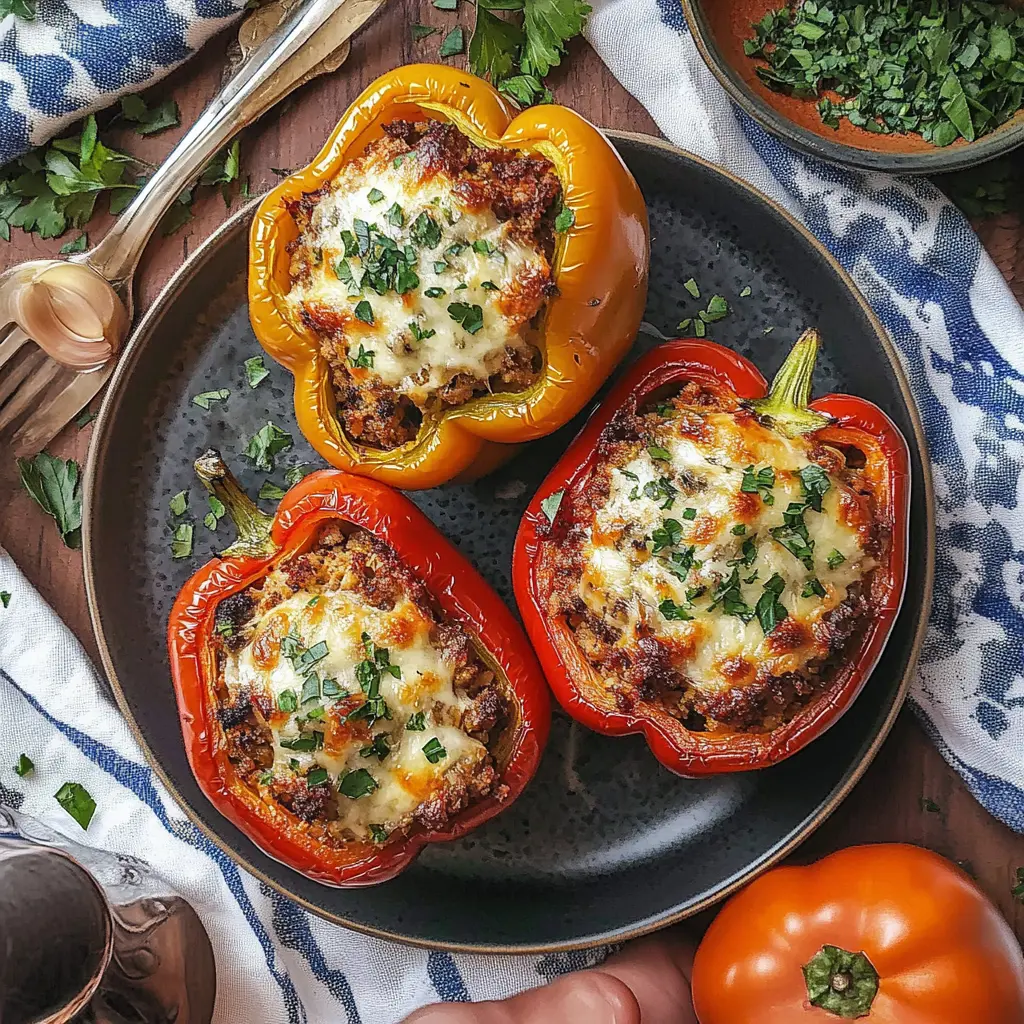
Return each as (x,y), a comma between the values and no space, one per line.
(604,843)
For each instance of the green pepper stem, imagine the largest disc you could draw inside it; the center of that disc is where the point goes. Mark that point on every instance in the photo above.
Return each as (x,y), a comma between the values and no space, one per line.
(787,401)
(841,983)
(252,523)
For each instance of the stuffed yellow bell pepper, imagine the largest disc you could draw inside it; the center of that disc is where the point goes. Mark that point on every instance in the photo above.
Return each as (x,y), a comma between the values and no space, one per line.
(449,278)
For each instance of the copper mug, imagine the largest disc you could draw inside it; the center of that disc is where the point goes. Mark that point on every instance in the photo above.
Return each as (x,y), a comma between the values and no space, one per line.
(110,945)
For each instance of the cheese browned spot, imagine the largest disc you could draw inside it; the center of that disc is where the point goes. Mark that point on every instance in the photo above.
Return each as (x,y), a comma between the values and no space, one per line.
(716,565)
(421,267)
(347,699)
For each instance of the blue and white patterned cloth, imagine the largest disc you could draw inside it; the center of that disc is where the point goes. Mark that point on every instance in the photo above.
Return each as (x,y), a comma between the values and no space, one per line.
(958,330)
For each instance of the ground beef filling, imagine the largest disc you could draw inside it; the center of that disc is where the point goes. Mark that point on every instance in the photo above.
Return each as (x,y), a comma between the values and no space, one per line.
(644,672)
(522,191)
(380,579)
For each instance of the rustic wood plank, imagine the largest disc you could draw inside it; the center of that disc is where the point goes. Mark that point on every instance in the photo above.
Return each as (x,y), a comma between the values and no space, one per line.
(885,806)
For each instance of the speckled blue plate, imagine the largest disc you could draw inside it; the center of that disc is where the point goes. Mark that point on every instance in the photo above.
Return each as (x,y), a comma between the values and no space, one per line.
(605,843)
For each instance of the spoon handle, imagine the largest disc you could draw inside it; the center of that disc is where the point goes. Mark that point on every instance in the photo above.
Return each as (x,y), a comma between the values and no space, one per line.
(269,74)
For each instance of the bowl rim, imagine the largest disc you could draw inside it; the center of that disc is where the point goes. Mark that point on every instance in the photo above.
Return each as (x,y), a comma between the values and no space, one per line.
(770,858)
(938,161)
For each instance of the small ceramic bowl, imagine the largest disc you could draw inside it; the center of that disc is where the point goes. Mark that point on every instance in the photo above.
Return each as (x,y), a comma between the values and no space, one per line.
(719,29)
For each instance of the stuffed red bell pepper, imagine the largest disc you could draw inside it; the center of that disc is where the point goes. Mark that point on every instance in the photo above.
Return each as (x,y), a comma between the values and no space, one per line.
(349,687)
(715,564)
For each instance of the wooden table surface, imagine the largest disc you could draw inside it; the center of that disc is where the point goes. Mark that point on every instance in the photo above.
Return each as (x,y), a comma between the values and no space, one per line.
(889,803)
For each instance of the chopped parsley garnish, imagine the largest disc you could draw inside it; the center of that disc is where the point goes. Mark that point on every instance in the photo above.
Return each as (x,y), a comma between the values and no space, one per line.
(739,529)
(364,312)
(471,317)
(679,563)
(453,44)
(357,783)
(418,333)
(24,766)
(835,558)
(454,249)
(330,688)
(181,541)
(287,701)
(416,723)
(255,371)
(684,325)
(748,553)
(425,231)
(674,612)
(362,233)
(760,480)
(657,452)
(268,441)
(316,777)
(203,400)
(5,598)
(793,535)
(434,293)
(178,503)
(816,484)
(310,742)
(375,195)
(717,309)
(395,216)
(566,218)
(378,833)
(668,535)
(378,748)
(813,588)
(689,513)
(351,244)
(368,675)
(691,287)
(629,474)
(266,778)
(343,272)
(481,245)
(770,610)
(75,799)
(1017,892)
(433,751)
(728,595)
(699,328)
(659,490)
(489,286)
(316,713)
(693,593)
(364,357)
(550,505)
(269,491)
(745,292)
(310,688)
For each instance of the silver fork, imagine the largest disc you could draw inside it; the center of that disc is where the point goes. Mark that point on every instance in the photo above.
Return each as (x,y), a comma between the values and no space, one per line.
(66,320)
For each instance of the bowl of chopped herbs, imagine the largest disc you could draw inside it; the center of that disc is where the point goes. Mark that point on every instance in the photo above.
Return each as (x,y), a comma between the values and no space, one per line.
(918,86)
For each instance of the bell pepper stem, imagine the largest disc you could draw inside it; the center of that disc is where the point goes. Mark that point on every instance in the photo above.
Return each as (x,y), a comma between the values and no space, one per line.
(252,523)
(787,403)
(842,983)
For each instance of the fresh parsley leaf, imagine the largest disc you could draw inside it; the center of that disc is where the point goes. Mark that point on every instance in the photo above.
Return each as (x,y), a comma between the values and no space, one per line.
(548,25)
(378,833)
(684,325)
(813,588)
(453,43)
(357,783)
(217,508)
(668,535)
(738,530)
(203,400)
(255,371)
(75,799)
(689,513)
(375,196)
(816,485)
(379,748)
(835,558)
(729,596)
(269,441)
(269,491)
(296,473)
(55,487)
(364,312)
(745,292)
(769,609)
(471,317)
(551,504)
(364,357)
(419,32)
(24,766)
(287,701)
(657,452)
(316,777)
(416,723)
(85,417)
(24,9)
(761,480)
(80,244)
(674,612)
(717,309)
(181,541)
(433,751)
(566,219)
(425,231)
(494,46)
(929,805)
(150,120)
(525,89)
(5,598)
(691,286)
(699,328)
(178,503)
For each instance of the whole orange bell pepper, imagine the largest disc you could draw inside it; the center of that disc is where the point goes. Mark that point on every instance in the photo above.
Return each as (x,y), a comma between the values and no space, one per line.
(600,270)
(888,934)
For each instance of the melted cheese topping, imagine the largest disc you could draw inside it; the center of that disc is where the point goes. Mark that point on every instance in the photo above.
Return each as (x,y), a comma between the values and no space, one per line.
(463,258)
(678,527)
(422,686)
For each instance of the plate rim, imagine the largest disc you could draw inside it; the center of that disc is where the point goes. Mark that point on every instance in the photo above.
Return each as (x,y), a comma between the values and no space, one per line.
(99,441)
